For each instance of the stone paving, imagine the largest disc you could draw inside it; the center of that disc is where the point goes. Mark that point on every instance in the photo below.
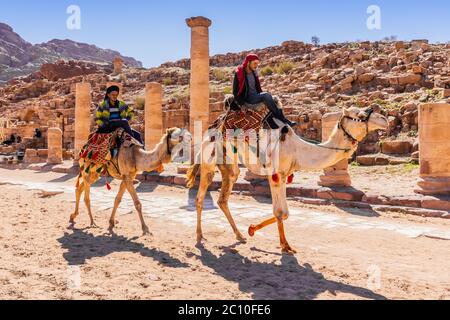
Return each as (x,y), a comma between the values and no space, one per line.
(180,207)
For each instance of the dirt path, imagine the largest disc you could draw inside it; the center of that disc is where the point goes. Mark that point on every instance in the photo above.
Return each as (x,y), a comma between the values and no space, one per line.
(353,254)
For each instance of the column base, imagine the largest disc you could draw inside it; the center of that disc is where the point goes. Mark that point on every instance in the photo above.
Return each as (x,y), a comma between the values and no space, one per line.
(339,178)
(251,177)
(433,186)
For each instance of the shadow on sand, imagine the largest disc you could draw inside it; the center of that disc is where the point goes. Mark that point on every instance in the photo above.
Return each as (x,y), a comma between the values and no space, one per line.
(280,281)
(83,246)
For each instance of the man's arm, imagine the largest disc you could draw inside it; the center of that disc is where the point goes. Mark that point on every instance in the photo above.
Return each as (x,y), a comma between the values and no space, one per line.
(101,116)
(235,86)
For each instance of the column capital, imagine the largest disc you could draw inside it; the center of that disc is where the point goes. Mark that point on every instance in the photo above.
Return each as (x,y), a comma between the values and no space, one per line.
(198,22)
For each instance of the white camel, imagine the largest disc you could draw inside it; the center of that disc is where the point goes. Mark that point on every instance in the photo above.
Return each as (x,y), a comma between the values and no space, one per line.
(294,154)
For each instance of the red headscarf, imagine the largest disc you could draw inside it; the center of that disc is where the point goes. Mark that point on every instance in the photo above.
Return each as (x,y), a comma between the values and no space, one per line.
(241,73)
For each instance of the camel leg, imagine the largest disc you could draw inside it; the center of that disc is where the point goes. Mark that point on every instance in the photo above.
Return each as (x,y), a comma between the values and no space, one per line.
(230,175)
(78,193)
(285,247)
(137,203)
(206,178)
(280,210)
(112,220)
(253,228)
(87,201)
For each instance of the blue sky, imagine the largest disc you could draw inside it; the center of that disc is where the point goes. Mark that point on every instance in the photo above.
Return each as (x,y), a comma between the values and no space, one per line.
(154,31)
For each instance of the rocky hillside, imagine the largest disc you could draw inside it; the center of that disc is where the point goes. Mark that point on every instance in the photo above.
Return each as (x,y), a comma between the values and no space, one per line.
(19,57)
(394,77)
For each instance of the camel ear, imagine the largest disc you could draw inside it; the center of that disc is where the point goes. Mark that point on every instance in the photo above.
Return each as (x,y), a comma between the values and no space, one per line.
(346,112)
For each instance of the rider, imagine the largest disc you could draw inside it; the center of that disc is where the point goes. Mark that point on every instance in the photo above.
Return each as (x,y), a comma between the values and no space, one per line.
(113,114)
(247,88)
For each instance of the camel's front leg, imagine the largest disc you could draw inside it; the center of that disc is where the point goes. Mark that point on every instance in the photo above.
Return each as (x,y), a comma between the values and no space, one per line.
(230,174)
(280,211)
(137,203)
(285,247)
(78,193)
(112,220)
(87,201)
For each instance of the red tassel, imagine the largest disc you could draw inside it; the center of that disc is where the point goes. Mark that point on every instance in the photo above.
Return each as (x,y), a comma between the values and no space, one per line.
(290,179)
(85,153)
(108,187)
(276,178)
(95,156)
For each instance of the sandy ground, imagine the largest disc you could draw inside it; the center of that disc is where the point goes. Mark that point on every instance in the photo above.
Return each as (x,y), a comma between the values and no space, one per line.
(353,254)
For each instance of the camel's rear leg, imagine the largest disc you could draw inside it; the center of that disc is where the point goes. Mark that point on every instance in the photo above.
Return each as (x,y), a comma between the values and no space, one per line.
(206,178)
(230,174)
(112,220)
(137,203)
(78,193)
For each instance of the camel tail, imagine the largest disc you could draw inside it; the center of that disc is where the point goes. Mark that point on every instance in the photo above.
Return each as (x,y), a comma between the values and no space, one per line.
(191,175)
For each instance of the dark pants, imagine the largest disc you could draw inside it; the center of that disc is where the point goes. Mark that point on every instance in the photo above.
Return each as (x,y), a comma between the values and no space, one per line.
(114,125)
(269,102)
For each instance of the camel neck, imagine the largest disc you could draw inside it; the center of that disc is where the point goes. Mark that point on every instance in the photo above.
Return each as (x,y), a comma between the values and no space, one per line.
(151,160)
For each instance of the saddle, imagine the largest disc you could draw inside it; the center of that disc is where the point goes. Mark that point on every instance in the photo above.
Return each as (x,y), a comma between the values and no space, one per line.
(98,152)
(243,118)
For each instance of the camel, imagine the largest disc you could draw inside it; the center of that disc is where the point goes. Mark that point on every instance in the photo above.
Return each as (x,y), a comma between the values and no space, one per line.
(294,154)
(125,167)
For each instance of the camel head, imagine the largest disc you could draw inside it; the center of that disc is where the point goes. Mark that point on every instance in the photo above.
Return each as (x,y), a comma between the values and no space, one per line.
(178,140)
(357,123)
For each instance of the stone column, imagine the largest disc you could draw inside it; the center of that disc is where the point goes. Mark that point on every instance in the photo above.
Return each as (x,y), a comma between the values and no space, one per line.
(82,115)
(434,148)
(55,147)
(118,64)
(337,175)
(120,85)
(199,83)
(153,114)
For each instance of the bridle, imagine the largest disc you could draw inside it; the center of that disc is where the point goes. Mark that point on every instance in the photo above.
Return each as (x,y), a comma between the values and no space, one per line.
(169,137)
(365,120)
(353,140)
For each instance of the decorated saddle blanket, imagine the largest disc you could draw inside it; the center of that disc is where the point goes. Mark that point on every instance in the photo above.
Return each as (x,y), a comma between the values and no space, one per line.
(97,151)
(247,117)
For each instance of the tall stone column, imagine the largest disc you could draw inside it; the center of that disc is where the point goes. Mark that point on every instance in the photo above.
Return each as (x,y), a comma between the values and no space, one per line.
(55,147)
(82,115)
(118,64)
(434,148)
(199,83)
(337,175)
(153,114)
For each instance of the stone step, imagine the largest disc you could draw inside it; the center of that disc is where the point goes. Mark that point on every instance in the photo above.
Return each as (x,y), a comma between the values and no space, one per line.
(382,160)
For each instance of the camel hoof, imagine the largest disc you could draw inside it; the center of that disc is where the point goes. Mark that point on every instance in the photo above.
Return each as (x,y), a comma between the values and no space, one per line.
(94,226)
(146,232)
(201,240)
(241,239)
(251,230)
(289,251)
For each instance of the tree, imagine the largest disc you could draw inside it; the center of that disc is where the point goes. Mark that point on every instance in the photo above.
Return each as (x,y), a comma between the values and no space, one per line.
(315,40)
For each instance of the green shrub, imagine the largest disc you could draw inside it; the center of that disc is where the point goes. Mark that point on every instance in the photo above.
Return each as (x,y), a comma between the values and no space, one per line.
(284,67)
(139,103)
(167,81)
(220,75)
(266,71)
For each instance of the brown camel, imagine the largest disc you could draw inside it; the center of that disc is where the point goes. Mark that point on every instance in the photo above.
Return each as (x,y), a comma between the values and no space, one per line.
(293,155)
(125,167)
